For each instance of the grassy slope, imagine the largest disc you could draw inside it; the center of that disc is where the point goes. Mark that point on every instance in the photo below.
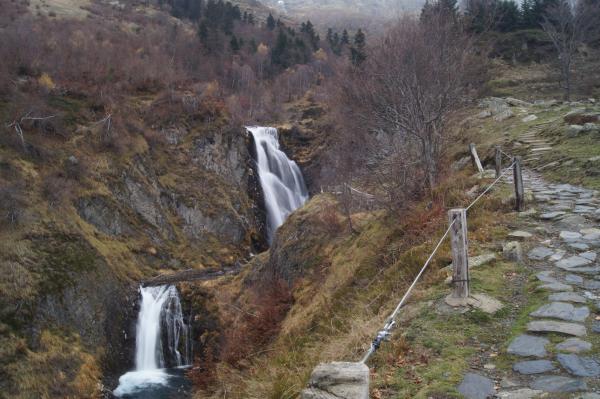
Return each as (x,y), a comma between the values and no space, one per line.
(354,280)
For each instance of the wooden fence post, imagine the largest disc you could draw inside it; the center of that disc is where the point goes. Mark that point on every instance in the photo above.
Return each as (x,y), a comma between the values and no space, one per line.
(498,161)
(518,178)
(475,158)
(460,256)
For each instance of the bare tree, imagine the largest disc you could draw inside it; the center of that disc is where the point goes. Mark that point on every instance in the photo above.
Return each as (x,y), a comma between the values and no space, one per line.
(568,24)
(412,80)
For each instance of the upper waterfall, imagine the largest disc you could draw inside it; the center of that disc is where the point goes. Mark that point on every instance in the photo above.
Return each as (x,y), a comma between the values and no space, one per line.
(281,181)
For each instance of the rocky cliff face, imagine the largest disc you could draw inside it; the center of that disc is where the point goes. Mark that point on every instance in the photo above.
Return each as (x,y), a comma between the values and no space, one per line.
(76,245)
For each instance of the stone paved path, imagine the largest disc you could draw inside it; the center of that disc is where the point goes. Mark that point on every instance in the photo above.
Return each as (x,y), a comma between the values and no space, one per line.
(555,356)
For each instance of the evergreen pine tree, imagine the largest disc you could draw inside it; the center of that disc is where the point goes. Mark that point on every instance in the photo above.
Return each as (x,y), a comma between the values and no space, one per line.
(357,52)
(233,43)
(270,22)
(203,32)
(279,54)
(345,38)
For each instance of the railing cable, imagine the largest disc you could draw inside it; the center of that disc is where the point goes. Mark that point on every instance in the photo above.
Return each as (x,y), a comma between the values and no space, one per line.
(390,323)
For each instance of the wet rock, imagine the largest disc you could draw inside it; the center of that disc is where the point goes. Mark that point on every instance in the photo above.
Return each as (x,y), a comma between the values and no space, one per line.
(563,311)
(539,253)
(558,384)
(528,345)
(475,386)
(533,366)
(574,345)
(579,366)
(596,327)
(542,326)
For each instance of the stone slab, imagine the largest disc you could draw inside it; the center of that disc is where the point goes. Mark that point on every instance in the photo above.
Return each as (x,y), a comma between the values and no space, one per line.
(572,261)
(539,253)
(579,366)
(528,345)
(563,311)
(574,345)
(567,297)
(545,326)
(475,386)
(533,366)
(556,383)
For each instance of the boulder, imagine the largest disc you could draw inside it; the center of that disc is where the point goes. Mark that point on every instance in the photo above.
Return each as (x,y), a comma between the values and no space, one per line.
(512,251)
(574,130)
(338,380)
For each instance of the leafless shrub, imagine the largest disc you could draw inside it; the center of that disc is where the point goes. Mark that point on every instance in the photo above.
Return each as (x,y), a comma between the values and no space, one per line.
(57,189)
(568,24)
(413,79)
(12,205)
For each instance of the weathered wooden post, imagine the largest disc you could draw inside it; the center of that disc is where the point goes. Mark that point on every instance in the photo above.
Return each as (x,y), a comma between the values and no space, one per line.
(460,256)
(519,192)
(498,161)
(475,158)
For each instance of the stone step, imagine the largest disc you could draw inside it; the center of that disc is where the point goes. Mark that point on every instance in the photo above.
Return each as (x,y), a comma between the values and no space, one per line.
(549,326)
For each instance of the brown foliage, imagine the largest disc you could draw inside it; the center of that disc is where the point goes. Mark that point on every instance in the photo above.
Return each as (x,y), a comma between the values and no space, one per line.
(256,328)
(580,119)
(330,219)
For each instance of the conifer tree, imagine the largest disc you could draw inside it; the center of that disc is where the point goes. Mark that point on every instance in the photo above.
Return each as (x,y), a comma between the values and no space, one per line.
(233,43)
(270,22)
(357,52)
(345,38)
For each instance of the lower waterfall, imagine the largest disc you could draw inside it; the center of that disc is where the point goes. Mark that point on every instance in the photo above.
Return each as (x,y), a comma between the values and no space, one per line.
(162,342)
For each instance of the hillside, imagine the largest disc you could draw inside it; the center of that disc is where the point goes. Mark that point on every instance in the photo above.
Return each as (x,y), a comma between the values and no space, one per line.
(208,199)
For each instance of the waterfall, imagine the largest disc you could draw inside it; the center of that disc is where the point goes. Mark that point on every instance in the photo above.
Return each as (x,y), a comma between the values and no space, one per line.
(162,340)
(280,178)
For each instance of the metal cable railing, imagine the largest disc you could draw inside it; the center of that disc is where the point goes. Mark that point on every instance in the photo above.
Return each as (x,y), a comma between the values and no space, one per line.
(390,323)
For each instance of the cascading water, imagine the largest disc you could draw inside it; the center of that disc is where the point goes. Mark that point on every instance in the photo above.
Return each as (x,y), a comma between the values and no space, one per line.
(280,178)
(162,341)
